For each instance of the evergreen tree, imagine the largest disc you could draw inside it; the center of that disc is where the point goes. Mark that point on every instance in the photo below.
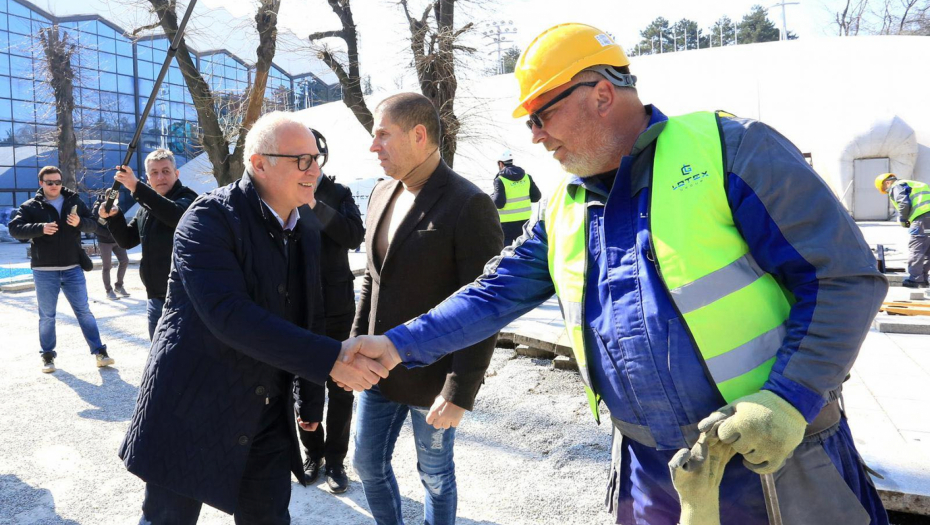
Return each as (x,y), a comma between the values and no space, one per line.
(510,58)
(756,27)
(686,34)
(723,29)
(656,38)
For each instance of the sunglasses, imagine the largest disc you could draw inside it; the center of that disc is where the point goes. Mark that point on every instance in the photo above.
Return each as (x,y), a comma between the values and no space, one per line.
(52,182)
(303,161)
(535,119)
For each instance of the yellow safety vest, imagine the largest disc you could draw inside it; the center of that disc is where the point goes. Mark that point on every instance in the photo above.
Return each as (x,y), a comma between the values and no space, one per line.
(518,207)
(734,311)
(920,197)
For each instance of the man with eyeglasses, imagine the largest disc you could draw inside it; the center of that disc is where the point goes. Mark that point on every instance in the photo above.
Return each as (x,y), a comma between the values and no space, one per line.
(214,421)
(53,221)
(162,202)
(715,294)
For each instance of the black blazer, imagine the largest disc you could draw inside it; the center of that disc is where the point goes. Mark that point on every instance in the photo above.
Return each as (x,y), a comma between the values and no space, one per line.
(442,244)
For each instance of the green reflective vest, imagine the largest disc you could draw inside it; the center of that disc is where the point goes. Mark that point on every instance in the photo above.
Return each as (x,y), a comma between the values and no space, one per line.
(518,207)
(734,311)
(920,197)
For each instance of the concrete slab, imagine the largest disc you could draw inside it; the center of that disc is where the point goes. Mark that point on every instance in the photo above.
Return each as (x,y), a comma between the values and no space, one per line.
(902,324)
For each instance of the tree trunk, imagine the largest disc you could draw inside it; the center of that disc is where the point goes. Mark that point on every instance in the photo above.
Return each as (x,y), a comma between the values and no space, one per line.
(58,53)
(434,59)
(352,92)
(226,167)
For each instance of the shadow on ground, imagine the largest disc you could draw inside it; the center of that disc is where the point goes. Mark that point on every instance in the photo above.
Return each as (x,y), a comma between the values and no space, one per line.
(112,400)
(23,503)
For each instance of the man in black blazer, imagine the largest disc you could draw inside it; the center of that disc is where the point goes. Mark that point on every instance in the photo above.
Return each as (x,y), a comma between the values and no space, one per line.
(214,421)
(342,230)
(429,232)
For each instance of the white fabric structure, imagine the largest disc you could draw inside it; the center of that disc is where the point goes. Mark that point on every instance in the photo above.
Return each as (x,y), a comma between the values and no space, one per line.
(888,137)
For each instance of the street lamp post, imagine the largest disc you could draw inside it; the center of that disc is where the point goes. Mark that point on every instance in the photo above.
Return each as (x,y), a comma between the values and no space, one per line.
(498,31)
(783,33)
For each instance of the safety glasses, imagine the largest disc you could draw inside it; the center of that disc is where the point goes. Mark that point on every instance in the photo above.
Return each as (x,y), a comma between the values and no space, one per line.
(535,119)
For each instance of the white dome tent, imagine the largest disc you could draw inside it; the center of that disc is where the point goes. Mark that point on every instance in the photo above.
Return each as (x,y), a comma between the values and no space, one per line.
(889,145)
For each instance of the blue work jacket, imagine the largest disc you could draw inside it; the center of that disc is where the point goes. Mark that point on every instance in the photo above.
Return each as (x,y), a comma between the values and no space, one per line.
(642,360)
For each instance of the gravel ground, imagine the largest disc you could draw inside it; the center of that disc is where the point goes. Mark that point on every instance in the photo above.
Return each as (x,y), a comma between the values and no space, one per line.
(530,453)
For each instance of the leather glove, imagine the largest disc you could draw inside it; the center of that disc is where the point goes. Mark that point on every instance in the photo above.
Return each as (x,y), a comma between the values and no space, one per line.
(905,224)
(763,427)
(696,475)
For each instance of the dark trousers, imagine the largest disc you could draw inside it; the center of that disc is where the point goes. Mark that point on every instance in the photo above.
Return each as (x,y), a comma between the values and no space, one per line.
(153,310)
(332,444)
(106,255)
(512,230)
(265,489)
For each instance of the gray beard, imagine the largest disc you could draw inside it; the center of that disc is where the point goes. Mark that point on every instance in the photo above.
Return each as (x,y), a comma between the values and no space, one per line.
(592,161)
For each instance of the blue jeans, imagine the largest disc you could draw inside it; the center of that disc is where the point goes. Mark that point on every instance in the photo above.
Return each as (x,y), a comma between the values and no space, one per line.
(153,309)
(378,425)
(72,283)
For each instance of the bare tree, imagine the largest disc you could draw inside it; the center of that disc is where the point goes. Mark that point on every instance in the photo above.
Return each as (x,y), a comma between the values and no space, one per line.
(849,19)
(226,167)
(58,51)
(433,57)
(348,74)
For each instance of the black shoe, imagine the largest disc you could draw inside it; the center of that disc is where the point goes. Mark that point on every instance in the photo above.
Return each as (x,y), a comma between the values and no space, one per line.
(907,283)
(48,363)
(312,470)
(336,479)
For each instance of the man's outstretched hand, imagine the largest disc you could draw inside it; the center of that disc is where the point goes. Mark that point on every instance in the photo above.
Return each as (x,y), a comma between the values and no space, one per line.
(356,372)
(377,347)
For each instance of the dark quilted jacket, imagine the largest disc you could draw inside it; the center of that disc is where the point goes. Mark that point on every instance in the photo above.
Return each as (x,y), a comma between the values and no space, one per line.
(221,341)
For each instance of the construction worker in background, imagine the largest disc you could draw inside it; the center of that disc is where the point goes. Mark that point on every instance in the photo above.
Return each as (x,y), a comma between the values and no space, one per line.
(514,193)
(716,300)
(911,201)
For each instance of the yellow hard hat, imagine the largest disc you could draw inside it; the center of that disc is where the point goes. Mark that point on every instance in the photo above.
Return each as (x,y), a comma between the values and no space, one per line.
(880,181)
(558,54)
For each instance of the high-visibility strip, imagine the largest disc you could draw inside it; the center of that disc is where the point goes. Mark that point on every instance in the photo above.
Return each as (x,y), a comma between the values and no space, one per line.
(748,356)
(572,313)
(922,204)
(716,285)
(518,199)
(518,210)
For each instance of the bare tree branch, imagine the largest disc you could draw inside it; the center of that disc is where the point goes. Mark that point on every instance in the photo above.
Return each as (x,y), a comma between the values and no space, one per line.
(350,80)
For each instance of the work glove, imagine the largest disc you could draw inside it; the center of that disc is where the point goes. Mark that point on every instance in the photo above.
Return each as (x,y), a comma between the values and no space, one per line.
(696,475)
(763,427)
(905,224)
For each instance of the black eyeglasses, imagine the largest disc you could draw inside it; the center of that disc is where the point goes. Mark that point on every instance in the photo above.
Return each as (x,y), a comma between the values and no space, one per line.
(535,120)
(52,182)
(303,161)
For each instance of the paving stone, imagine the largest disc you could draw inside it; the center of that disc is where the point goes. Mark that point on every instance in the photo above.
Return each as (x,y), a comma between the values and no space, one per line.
(565,363)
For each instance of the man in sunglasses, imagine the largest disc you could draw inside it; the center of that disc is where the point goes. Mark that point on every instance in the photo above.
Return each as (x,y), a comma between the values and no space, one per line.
(214,421)
(53,221)
(162,202)
(713,288)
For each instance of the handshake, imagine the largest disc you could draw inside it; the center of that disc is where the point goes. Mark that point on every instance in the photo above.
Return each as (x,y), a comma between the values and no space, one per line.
(363,361)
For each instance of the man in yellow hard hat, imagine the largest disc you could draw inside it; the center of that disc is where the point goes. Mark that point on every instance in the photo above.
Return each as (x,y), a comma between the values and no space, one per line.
(911,200)
(717,299)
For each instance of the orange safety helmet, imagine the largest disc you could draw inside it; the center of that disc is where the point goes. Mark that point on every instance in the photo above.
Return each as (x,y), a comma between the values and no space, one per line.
(560,53)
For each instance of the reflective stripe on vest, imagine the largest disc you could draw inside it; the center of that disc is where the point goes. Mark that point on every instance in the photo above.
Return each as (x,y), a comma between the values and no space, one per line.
(733,310)
(920,197)
(518,207)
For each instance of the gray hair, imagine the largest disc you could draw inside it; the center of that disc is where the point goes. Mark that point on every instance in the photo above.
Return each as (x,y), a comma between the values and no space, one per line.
(263,137)
(160,154)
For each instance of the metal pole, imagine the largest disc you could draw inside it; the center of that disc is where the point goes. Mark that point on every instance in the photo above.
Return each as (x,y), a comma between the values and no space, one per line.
(771,499)
(113,191)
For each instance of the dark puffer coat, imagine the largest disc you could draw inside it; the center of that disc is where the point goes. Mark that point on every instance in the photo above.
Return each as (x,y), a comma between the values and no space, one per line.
(221,346)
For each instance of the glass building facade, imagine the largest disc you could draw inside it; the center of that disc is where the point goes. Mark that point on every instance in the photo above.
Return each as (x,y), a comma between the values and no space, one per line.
(113,78)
